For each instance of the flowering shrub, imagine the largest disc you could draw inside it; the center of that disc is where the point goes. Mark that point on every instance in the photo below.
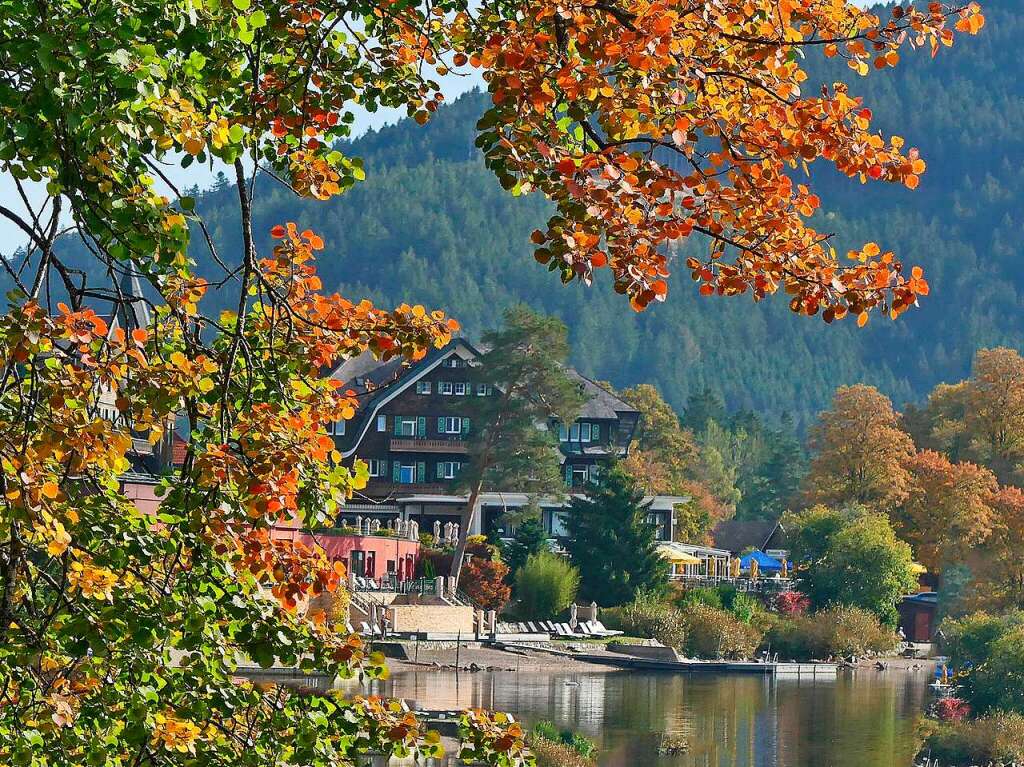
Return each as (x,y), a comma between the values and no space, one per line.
(952,710)
(792,603)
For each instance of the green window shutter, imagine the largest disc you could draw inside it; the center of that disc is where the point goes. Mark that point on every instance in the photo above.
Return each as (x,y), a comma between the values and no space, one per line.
(440,470)
(465,426)
(568,473)
(440,424)
(383,472)
(595,432)
(397,426)
(421,426)
(421,471)
(396,473)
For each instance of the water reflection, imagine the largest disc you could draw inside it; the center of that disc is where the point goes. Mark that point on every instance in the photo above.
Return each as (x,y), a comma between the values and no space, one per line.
(858,720)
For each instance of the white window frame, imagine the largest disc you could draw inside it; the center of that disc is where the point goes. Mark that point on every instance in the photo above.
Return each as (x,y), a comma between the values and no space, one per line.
(401,471)
(482,389)
(450,469)
(423,387)
(445,387)
(403,422)
(563,432)
(382,423)
(452,425)
(584,432)
(376,466)
(574,432)
(337,428)
(461,389)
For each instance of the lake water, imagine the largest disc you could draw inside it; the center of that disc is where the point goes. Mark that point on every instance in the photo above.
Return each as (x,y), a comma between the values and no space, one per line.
(859,719)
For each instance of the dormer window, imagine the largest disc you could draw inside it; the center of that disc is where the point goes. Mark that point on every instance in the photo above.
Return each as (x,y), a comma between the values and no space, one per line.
(453,362)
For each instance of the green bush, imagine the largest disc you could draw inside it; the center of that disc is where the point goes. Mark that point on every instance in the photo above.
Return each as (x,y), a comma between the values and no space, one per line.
(546,585)
(998,682)
(714,633)
(833,632)
(547,730)
(994,739)
(746,608)
(549,753)
(648,616)
(727,593)
(969,639)
(990,649)
(702,596)
(554,748)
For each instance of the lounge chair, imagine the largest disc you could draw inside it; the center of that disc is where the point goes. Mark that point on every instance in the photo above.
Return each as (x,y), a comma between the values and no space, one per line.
(567,633)
(599,630)
(610,632)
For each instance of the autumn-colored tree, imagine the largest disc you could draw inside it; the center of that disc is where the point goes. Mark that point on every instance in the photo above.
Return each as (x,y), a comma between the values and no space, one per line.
(483,581)
(980,419)
(859,452)
(999,571)
(660,434)
(940,424)
(994,415)
(665,460)
(949,513)
(120,632)
(663,454)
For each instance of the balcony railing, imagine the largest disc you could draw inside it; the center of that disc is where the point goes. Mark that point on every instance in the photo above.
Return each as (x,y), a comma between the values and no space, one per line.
(421,445)
(384,487)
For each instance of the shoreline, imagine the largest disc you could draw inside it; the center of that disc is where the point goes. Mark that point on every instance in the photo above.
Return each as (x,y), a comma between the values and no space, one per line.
(473,657)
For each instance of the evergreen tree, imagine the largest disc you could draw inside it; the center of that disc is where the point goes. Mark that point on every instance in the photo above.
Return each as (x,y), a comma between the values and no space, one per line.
(611,541)
(768,487)
(525,363)
(702,407)
(529,538)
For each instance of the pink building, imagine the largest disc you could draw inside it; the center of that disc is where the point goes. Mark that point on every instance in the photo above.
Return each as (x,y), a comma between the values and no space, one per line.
(368,556)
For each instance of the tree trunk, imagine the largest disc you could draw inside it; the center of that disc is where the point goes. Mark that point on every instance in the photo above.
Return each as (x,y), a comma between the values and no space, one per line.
(468,517)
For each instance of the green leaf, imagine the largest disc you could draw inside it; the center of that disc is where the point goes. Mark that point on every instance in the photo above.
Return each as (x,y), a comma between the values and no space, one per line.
(242,5)
(258,19)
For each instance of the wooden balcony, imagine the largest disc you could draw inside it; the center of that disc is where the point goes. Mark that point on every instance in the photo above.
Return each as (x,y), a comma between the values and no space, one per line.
(420,445)
(377,488)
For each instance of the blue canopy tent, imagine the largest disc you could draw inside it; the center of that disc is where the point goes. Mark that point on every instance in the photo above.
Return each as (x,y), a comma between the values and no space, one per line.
(765,563)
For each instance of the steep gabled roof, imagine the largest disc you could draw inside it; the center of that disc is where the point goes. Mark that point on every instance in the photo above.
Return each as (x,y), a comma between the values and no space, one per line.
(600,403)
(383,381)
(736,535)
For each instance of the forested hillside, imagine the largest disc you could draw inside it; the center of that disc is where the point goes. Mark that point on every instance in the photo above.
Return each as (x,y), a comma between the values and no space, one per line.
(430,224)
